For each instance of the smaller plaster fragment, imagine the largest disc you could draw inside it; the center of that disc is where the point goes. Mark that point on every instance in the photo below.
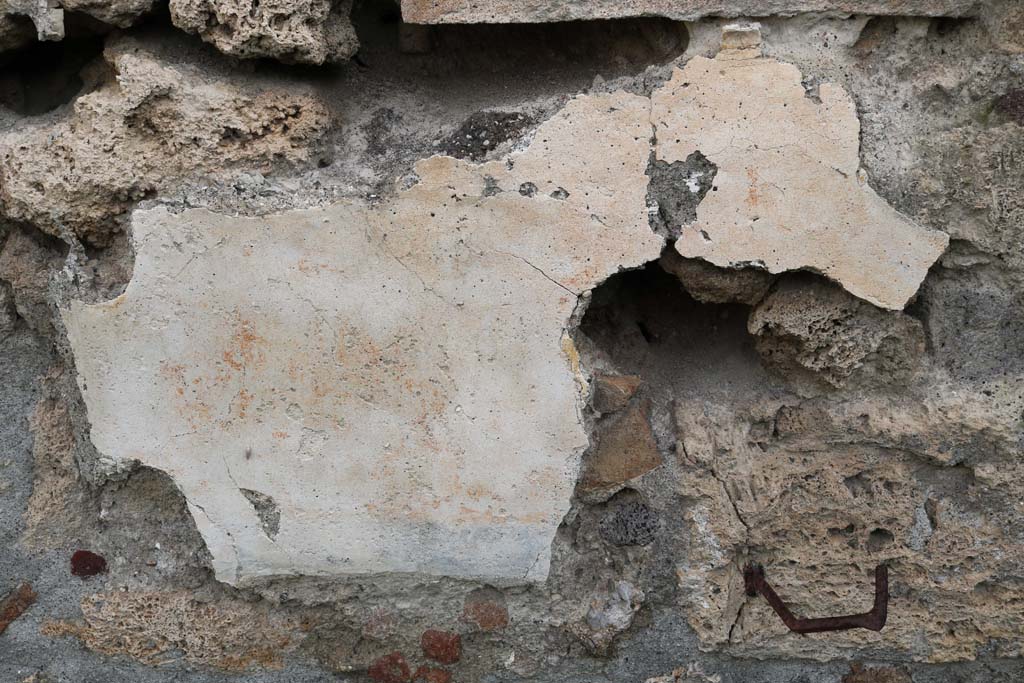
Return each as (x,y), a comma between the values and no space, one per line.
(789,193)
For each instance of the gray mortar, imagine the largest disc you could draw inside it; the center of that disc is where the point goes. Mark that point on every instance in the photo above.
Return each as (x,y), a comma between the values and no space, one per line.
(675,190)
(399,108)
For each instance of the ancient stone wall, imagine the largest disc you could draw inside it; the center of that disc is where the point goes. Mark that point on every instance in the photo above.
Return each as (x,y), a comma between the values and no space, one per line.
(511,341)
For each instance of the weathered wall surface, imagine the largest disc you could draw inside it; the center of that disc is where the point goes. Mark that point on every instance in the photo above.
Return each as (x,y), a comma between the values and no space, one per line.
(497,352)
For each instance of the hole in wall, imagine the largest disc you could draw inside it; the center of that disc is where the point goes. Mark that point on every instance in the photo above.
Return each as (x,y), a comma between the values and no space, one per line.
(879,539)
(42,76)
(537,53)
(643,322)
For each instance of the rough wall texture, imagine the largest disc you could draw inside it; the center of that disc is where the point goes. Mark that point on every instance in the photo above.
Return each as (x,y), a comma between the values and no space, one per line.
(497,352)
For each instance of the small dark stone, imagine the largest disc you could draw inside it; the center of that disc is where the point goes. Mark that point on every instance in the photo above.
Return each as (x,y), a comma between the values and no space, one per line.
(1012,105)
(390,668)
(491,186)
(442,646)
(560,193)
(527,189)
(85,563)
(632,523)
(483,132)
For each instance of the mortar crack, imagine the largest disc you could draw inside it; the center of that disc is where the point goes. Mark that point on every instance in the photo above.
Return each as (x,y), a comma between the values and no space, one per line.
(736,619)
(731,499)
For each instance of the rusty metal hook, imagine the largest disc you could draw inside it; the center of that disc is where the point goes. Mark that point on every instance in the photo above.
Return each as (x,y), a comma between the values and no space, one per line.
(754,582)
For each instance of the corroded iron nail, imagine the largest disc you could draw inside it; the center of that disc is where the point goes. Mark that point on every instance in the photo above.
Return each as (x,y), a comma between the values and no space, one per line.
(14,603)
(755,583)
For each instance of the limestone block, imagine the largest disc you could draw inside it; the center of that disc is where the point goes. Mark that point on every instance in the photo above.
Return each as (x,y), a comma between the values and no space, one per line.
(121,13)
(396,379)
(818,329)
(155,122)
(306,31)
(518,11)
(834,490)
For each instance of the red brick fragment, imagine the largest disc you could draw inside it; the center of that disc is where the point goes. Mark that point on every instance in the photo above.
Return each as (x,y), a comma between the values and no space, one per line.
(390,668)
(485,607)
(86,563)
(441,646)
(15,603)
(432,674)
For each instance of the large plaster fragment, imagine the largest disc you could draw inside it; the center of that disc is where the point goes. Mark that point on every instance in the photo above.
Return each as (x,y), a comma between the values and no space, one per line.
(517,11)
(789,193)
(395,378)
(155,121)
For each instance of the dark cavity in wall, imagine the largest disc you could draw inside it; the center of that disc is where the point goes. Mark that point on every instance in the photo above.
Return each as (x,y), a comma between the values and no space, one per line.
(643,322)
(42,76)
(508,56)
(483,131)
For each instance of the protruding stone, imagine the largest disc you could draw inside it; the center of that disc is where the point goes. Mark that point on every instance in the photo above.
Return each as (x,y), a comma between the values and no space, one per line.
(141,131)
(742,37)
(711,284)
(818,328)
(611,611)
(486,608)
(626,449)
(441,646)
(630,523)
(305,31)
(612,392)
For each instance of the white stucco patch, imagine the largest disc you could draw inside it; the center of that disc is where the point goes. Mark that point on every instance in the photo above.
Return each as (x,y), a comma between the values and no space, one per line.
(394,377)
(789,193)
